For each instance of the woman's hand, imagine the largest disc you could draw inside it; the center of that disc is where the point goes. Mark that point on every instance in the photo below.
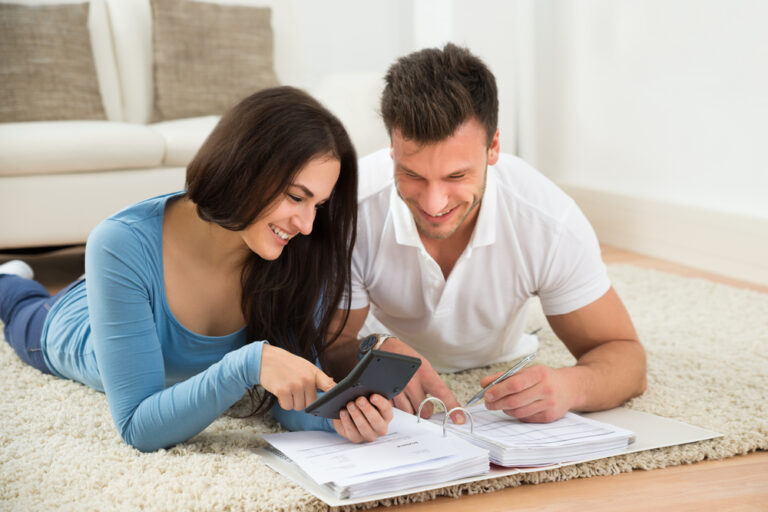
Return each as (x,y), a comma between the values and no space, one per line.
(292,379)
(364,419)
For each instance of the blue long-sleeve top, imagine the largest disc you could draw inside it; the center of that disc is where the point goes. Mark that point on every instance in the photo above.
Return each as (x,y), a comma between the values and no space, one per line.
(115,333)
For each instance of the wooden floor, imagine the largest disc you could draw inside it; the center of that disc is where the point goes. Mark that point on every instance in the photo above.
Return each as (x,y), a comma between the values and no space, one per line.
(739,483)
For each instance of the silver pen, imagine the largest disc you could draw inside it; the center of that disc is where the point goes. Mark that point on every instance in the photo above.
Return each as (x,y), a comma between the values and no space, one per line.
(517,367)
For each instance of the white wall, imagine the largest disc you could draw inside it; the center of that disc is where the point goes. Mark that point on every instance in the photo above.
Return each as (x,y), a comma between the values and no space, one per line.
(489,28)
(655,114)
(657,99)
(338,36)
(340,49)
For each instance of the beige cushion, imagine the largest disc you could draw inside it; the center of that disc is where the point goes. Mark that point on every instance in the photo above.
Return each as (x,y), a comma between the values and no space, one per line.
(81,146)
(46,64)
(207,57)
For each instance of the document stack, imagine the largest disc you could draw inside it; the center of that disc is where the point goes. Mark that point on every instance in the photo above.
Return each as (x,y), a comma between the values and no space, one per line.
(412,454)
(512,443)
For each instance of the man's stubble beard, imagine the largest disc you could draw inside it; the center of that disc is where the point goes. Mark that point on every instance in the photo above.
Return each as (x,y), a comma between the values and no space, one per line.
(424,228)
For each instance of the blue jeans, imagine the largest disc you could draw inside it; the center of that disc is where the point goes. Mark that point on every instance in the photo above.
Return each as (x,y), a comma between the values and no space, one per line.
(24,306)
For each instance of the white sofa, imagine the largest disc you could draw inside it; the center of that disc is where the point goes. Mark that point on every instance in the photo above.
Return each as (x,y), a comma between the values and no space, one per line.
(58,179)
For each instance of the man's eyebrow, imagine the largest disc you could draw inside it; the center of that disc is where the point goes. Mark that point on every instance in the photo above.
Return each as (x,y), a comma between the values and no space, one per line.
(405,169)
(462,170)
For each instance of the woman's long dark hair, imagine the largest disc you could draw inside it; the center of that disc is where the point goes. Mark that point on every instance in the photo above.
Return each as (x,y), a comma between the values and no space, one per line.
(247,162)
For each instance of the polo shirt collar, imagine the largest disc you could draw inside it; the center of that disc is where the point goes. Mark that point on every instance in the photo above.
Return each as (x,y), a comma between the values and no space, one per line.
(406,232)
(405,227)
(485,229)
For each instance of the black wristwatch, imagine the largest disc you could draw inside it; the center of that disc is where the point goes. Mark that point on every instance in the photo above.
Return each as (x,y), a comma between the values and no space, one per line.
(371,342)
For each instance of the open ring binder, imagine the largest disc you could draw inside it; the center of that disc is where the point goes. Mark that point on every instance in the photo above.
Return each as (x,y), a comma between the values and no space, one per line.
(417,458)
(447,413)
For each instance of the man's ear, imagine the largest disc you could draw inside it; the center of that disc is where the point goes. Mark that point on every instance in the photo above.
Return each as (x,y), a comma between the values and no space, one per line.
(494,149)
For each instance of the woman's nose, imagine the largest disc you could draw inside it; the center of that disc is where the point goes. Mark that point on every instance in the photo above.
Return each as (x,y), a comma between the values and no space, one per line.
(304,220)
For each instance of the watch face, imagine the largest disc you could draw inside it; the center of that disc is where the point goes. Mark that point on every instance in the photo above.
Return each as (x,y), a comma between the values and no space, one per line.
(368,343)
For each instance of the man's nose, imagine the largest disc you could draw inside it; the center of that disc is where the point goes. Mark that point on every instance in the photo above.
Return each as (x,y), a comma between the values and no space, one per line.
(434,199)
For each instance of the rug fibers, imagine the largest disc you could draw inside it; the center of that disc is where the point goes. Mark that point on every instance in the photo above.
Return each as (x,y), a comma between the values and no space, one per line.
(707,365)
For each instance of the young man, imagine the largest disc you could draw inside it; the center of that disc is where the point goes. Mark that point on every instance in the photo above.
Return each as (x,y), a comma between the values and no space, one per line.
(448,255)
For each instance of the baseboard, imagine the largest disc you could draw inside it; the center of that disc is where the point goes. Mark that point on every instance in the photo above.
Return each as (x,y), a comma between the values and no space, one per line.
(722,243)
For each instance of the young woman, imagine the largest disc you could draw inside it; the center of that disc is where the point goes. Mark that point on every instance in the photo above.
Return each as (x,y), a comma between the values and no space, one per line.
(191,299)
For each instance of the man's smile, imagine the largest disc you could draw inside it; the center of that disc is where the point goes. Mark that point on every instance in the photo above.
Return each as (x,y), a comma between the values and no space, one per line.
(439,218)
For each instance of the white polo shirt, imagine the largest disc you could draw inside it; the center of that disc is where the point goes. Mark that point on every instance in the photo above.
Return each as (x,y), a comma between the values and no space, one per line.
(530,239)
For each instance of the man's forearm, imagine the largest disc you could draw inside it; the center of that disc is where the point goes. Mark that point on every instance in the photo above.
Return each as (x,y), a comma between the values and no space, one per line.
(340,357)
(607,376)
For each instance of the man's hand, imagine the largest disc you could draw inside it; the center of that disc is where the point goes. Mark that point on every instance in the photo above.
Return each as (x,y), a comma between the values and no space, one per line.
(364,419)
(536,394)
(425,381)
(610,367)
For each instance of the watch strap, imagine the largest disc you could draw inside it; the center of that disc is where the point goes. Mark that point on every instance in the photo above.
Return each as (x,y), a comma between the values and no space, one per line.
(382,339)
(367,344)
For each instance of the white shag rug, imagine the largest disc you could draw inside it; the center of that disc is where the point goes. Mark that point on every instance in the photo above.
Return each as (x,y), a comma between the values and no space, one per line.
(707,366)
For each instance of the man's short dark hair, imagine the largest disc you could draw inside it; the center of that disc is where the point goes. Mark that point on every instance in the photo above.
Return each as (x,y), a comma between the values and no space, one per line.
(429,93)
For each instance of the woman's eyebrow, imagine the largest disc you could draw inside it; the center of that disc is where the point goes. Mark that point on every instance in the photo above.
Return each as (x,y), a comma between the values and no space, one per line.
(308,192)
